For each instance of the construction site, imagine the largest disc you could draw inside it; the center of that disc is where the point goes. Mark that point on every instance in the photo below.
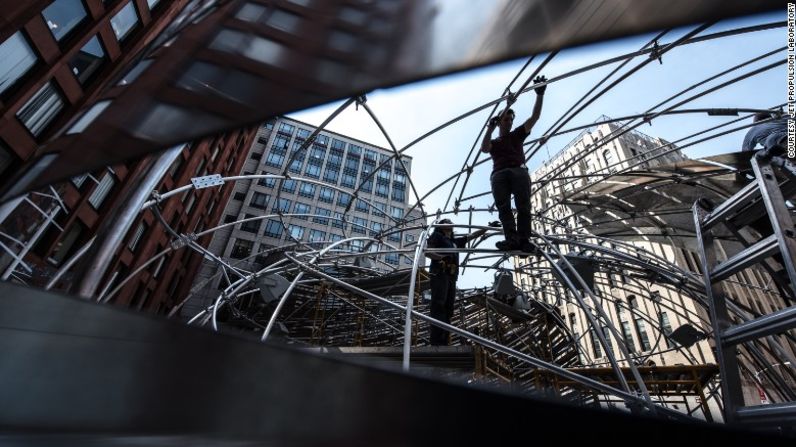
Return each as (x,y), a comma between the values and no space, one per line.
(186,261)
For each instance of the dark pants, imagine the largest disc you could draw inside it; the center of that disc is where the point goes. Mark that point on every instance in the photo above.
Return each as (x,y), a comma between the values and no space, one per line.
(505,183)
(443,294)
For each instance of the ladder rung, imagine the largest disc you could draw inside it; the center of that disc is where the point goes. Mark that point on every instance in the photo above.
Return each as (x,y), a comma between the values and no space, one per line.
(773,323)
(749,256)
(767,414)
(742,198)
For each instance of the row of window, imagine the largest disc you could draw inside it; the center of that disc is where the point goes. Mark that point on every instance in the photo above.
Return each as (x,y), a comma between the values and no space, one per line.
(638,325)
(334,162)
(283,205)
(62,17)
(242,248)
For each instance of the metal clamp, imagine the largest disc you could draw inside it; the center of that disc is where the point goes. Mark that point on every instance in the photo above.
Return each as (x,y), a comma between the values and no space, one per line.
(183,240)
(207,181)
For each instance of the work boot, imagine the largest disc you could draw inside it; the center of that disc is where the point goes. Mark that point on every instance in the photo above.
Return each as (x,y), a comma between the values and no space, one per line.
(529,248)
(505,246)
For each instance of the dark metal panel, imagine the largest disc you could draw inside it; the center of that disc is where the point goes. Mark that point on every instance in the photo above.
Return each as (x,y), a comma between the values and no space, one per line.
(297,65)
(70,366)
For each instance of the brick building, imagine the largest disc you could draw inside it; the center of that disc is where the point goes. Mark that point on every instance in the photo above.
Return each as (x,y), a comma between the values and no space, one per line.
(61,57)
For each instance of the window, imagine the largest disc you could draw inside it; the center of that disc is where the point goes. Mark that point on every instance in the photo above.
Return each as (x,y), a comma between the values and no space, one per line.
(398,193)
(102,190)
(124,21)
(380,208)
(190,204)
(307,190)
(396,212)
(6,159)
(250,12)
(392,258)
(267,182)
(296,231)
(275,158)
(383,190)
(259,200)
(608,156)
(68,243)
(626,334)
(337,144)
(256,156)
(298,161)
(139,232)
(313,170)
(331,174)
(134,72)
(200,168)
(240,196)
(88,60)
(62,16)
(666,327)
(229,218)
(283,206)
(89,116)
(252,226)
(18,58)
(322,212)
(410,238)
(360,225)
(41,109)
(641,331)
(595,344)
(375,228)
(302,208)
(273,228)
(343,199)
(607,335)
(286,128)
(289,186)
(362,205)
(262,257)
(395,237)
(339,221)
(241,249)
(317,236)
(326,195)
(348,180)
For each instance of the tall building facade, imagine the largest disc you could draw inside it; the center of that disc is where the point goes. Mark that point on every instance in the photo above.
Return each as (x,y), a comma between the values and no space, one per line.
(312,213)
(643,312)
(60,57)
(634,313)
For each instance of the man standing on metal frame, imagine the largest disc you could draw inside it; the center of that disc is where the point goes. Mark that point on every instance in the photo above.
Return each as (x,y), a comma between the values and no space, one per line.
(510,174)
(444,271)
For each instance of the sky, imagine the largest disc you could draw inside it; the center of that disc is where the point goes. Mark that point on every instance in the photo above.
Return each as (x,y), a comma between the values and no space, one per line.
(409,111)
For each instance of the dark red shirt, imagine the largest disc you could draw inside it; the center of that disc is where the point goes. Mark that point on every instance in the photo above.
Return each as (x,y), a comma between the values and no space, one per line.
(507,150)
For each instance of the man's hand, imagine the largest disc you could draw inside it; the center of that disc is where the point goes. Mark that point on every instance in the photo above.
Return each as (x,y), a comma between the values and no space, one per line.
(493,122)
(540,90)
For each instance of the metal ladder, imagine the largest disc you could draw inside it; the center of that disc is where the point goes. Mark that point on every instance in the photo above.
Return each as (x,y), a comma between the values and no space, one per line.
(763,196)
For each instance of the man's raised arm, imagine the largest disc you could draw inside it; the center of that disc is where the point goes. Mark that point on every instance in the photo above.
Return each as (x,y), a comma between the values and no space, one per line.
(537,107)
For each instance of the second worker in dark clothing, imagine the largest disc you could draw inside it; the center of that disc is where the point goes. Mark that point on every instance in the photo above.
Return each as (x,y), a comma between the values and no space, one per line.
(510,175)
(444,271)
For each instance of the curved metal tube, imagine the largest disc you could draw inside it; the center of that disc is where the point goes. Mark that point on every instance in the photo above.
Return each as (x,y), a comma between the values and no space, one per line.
(410,298)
